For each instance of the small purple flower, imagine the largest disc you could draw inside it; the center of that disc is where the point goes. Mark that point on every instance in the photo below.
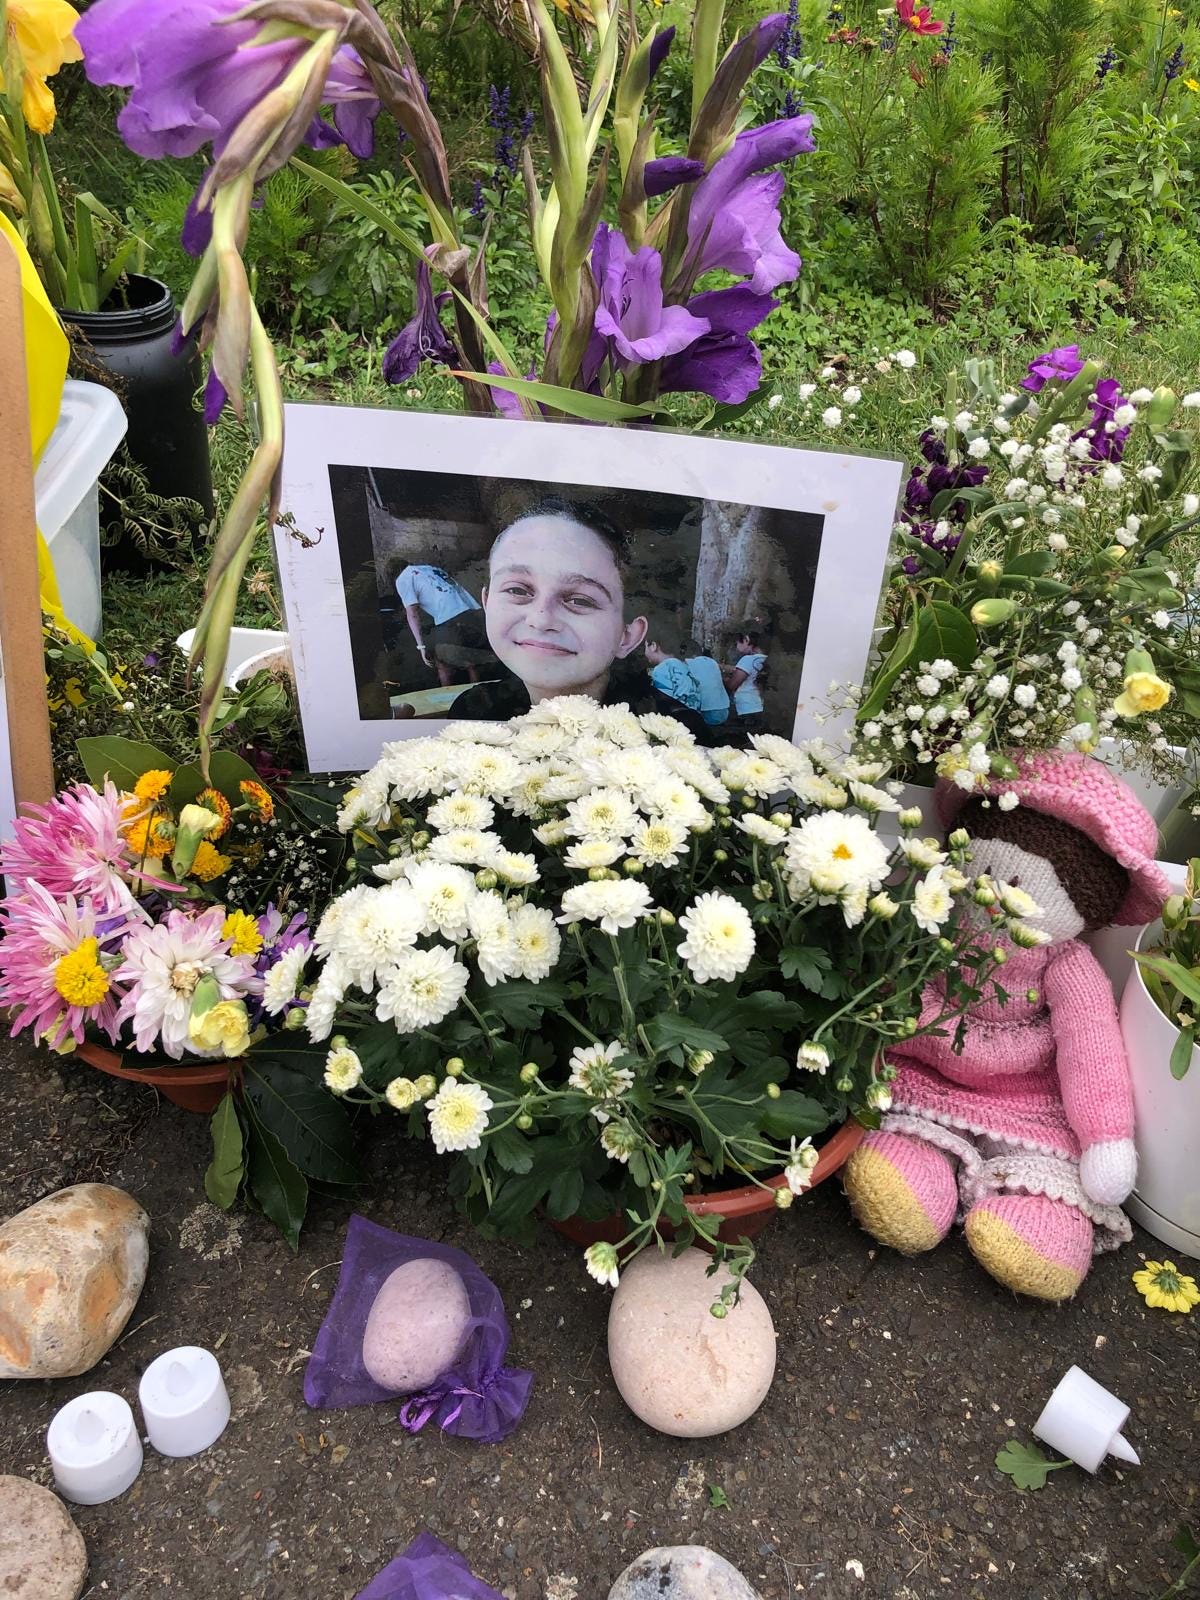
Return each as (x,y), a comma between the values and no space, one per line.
(723,362)
(734,222)
(422,338)
(1056,366)
(789,43)
(631,313)
(150,660)
(1106,441)
(1106,63)
(351,93)
(1174,64)
(478,203)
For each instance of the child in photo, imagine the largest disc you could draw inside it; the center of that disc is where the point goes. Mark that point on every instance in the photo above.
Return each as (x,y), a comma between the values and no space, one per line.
(669,673)
(714,697)
(445,621)
(747,678)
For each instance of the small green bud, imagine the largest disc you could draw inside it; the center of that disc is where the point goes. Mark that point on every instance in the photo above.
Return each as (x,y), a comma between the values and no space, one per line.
(773,1091)
(959,839)
(529,1072)
(783,1198)
(723,811)
(666,919)
(632,867)
(597,874)
(295,1019)
(999,955)
(719,1309)
(945,944)
(698,1060)
(991,612)
(524,1122)
(748,802)
(1032,996)
(422,840)
(763,892)
(486,878)
(720,856)
(844,1085)
(455,1067)
(656,1184)
(339,1042)
(910,817)
(426,1085)
(782,819)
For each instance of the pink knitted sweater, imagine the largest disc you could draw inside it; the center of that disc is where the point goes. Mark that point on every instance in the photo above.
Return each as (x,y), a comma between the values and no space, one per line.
(1049,1074)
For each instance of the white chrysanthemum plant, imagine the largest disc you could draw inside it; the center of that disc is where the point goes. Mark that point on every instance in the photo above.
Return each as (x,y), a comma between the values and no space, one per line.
(606,969)
(1046,592)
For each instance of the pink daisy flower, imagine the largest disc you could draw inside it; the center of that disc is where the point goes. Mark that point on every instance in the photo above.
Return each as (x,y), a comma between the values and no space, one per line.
(73,846)
(56,964)
(162,966)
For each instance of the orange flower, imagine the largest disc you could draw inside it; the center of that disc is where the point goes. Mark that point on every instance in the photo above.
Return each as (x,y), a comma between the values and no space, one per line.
(258,799)
(209,863)
(150,838)
(153,785)
(214,800)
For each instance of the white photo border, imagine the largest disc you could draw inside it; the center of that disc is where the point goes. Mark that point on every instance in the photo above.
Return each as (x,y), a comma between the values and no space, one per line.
(856,496)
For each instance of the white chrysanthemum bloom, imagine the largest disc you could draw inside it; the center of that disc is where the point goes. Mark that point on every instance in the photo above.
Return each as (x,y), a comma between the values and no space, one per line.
(627,770)
(517,867)
(414,768)
(812,1057)
(932,901)
(528,798)
(593,1073)
(377,930)
(853,902)
(667,729)
(460,811)
(402,1094)
(1016,902)
(421,989)
(484,769)
(755,774)
(619,1141)
(602,814)
(659,842)
(536,942)
(837,851)
(602,1263)
(575,713)
(760,830)
(817,790)
(676,801)
(552,833)
(389,871)
(537,739)
(445,893)
(588,853)
(879,1097)
(331,986)
(798,1174)
(465,846)
(1025,937)
(283,979)
(619,725)
(567,783)
(343,1070)
(367,802)
(871,799)
(882,905)
(720,937)
(491,929)
(614,905)
(458,1116)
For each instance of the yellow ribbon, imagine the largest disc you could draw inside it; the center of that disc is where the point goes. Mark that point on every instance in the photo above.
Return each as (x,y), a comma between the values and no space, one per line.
(46,355)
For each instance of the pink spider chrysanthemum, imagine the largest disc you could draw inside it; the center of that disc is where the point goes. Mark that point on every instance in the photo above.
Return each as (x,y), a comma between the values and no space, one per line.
(73,846)
(56,964)
(164,963)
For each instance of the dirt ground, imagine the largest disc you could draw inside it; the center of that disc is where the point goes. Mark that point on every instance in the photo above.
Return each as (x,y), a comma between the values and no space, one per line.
(868,1471)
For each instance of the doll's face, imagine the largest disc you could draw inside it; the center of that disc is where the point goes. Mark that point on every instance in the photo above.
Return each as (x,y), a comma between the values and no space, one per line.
(1006,862)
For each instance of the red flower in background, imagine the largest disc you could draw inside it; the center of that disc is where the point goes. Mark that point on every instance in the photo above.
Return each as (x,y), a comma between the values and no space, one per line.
(917,18)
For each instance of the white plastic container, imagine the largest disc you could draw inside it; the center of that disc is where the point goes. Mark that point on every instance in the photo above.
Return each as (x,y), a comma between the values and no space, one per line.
(245,645)
(184,1401)
(1082,1421)
(91,424)
(1166,1200)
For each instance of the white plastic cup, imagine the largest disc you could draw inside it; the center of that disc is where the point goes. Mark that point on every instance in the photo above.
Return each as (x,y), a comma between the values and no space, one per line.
(94,1448)
(1083,1421)
(184,1401)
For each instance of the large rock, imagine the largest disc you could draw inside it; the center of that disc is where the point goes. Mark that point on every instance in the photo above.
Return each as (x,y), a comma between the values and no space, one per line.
(681,1572)
(678,1367)
(42,1553)
(416,1326)
(71,1269)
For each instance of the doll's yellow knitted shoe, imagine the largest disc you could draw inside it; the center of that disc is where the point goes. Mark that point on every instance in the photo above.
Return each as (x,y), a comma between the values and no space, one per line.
(1031,1244)
(902,1191)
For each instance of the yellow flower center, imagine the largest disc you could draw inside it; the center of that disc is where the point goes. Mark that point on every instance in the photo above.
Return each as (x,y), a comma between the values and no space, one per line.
(243,935)
(842,852)
(79,977)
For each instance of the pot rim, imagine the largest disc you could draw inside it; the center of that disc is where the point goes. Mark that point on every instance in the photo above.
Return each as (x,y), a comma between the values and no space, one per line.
(129,322)
(111,1061)
(731,1203)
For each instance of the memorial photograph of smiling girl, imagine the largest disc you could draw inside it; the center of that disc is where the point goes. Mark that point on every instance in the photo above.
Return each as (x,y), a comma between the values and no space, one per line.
(474,590)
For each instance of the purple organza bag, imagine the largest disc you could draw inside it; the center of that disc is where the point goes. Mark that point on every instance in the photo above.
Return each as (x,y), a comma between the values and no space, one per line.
(477,1397)
(428,1570)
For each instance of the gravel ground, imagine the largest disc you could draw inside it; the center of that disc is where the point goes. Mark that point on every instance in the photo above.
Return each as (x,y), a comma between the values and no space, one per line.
(867,1472)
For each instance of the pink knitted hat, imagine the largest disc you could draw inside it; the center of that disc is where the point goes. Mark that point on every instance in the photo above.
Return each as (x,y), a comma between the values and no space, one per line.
(1083,792)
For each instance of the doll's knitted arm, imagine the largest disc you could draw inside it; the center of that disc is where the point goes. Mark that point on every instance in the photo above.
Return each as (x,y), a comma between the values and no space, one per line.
(1093,1071)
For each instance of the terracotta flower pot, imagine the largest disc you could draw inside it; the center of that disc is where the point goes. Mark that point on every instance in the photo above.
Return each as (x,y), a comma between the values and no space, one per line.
(198,1088)
(746,1211)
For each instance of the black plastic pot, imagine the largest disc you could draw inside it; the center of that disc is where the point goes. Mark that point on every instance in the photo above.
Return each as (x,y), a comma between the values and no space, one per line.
(131,338)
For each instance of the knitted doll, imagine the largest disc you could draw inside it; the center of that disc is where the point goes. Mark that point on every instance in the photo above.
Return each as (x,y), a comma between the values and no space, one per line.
(1027,1135)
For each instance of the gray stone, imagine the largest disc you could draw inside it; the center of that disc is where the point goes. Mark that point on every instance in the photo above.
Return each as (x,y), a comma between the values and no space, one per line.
(681,1572)
(42,1553)
(416,1325)
(679,1368)
(71,1270)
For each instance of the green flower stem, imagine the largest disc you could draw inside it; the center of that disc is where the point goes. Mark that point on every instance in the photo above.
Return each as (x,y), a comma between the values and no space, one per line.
(628,1018)
(482,1021)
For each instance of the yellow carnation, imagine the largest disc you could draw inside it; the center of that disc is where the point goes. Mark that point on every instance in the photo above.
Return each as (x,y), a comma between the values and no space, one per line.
(1144,691)
(209,863)
(223,1028)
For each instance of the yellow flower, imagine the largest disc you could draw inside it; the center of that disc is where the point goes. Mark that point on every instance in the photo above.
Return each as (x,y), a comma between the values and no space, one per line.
(224,1027)
(242,932)
(1144,691)
(73,692)
(150,838)
(1190,83)
(208,863)
(42,32)
(79,977)
(258,799)
(1163,1286)
(213,800)
(153,785)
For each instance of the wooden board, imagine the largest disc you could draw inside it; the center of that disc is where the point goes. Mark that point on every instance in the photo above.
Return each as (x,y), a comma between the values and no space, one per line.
(26,768)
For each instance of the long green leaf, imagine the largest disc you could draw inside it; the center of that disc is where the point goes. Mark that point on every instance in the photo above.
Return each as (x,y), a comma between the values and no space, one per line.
(1181,1053)
(1172,972)
(115,267)
(308,1122)
(592,407)
(277,1184)
(224,1176)
(122,760)
(899,656)
(367,209)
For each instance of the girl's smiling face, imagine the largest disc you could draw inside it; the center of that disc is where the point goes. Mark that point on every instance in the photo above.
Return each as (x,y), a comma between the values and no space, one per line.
(555,607)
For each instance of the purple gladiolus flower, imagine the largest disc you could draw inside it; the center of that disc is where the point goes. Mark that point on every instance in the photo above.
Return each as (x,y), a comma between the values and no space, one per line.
(668,172)
(631,313)
(1059,365)
(351,93)
(734,221)
(723,362)
(658,50)
(214,397)
(423,338)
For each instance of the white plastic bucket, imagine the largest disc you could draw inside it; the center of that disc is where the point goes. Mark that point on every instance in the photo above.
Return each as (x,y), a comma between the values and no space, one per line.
(245,645)
(1166,1200)
(91,424)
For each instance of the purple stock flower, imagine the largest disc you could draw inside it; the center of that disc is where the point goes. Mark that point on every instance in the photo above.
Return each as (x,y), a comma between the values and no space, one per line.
(668,172)
(1056,366)
(1105,439)
(194,75)
(1106,63)
(734,221)
(630,313)
(723,362)
(422,338)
